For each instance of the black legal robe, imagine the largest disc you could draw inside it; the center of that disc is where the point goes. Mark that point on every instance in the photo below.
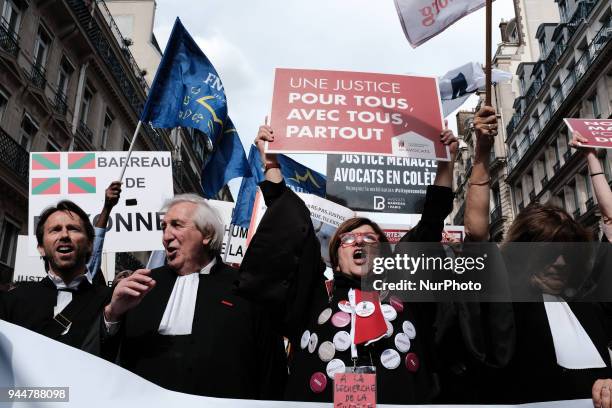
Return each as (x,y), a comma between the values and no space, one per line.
(282,270)
(31,304)
(231,352)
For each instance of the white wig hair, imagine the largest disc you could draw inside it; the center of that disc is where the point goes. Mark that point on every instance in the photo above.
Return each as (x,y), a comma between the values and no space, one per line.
(205,217)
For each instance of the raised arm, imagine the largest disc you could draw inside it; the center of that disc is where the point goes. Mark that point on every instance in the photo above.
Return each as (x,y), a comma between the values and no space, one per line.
(272,170)
(476,218)
(111,198)
(598,178)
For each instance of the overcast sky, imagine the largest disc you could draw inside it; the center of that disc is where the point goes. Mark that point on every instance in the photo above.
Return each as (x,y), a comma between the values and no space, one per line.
(246,39)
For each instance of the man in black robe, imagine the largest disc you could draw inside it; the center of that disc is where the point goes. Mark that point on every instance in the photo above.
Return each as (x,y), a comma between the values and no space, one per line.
(182,326)
(67,304)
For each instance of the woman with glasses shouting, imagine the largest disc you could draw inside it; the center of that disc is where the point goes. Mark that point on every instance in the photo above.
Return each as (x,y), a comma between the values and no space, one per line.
(335,326)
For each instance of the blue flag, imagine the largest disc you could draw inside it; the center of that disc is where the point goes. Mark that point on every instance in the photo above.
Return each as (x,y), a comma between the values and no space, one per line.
(187,90)
(228,161)
(297,177)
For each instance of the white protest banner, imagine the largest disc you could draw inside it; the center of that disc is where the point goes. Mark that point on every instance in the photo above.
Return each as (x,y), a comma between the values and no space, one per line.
(234,237)
(32,268)
(424,19)
(316,111)
(84,176)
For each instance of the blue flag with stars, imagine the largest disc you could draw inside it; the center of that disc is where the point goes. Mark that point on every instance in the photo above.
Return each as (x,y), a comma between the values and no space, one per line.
(297,177)
(188,92)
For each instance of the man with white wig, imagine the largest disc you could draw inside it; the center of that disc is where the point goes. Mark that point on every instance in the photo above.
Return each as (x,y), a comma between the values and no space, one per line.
(182,326)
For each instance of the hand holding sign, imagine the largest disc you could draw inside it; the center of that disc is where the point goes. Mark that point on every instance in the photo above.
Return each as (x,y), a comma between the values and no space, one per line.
(578,142)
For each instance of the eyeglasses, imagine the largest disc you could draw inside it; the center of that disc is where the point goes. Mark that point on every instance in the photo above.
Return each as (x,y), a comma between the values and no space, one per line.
(350,238)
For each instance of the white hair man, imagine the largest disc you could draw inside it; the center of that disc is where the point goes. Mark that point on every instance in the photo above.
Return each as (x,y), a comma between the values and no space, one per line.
(182,326)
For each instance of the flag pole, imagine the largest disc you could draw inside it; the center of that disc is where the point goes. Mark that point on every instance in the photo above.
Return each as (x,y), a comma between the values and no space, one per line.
(134,137)
(488,34)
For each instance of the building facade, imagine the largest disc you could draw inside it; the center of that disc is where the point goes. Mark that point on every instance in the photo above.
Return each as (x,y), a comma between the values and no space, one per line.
(68,81)
(561,56)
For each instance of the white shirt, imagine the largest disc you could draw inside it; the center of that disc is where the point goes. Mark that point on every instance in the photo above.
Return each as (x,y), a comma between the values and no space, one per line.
(573,346)
(65,297)
(178,316)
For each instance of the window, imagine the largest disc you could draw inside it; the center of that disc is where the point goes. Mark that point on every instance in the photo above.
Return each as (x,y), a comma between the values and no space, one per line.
(63,79)
(126,142)
(41,48)
(3,103)
(594,105)
(106,129)
(555,147)
(27,132)
(522,83)
(52,145)
(8,242)
(85,105)
(543,49)
(11,16)
(563,11)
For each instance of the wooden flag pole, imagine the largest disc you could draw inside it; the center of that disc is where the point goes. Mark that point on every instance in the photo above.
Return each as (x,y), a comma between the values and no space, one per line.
(130,151)
(489,23)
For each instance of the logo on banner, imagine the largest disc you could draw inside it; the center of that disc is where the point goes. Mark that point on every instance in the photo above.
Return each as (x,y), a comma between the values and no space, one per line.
(379,203)
(81,185)
(81,161)
(306,177)
(52,161)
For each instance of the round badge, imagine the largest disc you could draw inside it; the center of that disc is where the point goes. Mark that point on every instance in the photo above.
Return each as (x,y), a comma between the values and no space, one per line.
(341,319)
(326,351)
(342,341)
(345,306)
(402,342)
(318,382)
(397,304)
(390,359)
(412,362)
(305,339)
(389,329)
(364,309)
(335,366)
(324,316)
(389,312)
(409,329)
(312,343)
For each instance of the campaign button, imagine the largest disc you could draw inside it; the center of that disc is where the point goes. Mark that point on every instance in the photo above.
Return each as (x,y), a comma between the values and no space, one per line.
(412,362)
(345,306)
(397,304)
(409,329)
(390,359)
(324,316)
(327,351)
(402,342)
(312,343)
(305,339)
(364,309)
(318,382)
(389,329)
(342,341)
(389,312)
(335,366)
(341,319)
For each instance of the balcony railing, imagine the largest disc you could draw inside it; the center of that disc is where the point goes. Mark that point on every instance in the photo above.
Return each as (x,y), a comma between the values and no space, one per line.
(567,155)
(85,132)
(532,196)
(60,105)
(576,213)
(582,11)
(556,167)
(496,214)
(14,156)
(532,92)
(9,40)
(38,76)
(544,181)
(516,118)
(590,203)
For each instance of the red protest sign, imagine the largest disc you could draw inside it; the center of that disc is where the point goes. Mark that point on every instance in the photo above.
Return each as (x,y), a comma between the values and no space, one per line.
(317,111)
(354,390)
(598,132)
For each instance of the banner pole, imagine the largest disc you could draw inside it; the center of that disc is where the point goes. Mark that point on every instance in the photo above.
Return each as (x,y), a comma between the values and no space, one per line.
(130,151)
(488,57)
